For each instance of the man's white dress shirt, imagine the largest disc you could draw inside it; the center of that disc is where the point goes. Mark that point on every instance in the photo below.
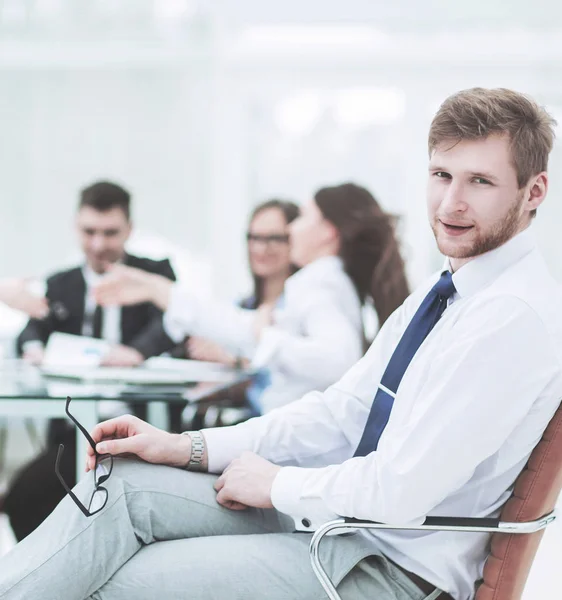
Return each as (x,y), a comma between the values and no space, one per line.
(316,337)
(111,315)
(471,406)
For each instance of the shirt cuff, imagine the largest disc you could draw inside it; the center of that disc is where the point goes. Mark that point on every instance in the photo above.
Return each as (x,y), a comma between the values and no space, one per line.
(31,344)
(224,444)
(270,341)
(179,314)
(287,497)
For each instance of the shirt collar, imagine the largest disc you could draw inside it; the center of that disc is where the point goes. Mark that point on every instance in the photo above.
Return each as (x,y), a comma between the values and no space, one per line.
(482,270)
(91,277)
(318,268)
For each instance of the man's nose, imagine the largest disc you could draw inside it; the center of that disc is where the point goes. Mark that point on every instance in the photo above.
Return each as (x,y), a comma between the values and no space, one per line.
(454,199)
(97,243)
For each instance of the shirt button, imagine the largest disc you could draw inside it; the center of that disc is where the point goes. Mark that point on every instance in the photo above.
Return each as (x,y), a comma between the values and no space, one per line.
(306,523)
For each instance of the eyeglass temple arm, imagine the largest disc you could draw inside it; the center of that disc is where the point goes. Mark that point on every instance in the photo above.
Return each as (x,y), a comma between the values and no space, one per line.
(84,510)
(79,425)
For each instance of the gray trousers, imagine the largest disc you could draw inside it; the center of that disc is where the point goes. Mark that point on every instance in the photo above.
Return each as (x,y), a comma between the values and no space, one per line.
(163,536)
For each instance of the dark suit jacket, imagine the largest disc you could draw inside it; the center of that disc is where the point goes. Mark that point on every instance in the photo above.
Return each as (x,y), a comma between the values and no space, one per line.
(141,324)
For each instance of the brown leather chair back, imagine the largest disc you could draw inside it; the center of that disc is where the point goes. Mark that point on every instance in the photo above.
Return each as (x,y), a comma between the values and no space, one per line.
(535,494)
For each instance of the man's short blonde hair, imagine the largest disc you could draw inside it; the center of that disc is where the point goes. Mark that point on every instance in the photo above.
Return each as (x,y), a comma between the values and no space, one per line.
(478,112)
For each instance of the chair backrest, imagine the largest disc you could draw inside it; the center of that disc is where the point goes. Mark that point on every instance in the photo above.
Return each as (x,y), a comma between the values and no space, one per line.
(535,493)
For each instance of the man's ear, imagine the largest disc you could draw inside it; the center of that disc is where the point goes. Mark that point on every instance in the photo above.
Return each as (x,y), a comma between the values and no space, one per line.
(537,189)
(129,229)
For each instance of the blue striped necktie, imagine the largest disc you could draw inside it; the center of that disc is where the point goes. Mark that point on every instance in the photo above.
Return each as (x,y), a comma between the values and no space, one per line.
(422,323)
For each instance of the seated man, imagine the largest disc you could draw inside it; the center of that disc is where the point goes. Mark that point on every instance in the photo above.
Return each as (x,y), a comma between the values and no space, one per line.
(438,418)
(103,223)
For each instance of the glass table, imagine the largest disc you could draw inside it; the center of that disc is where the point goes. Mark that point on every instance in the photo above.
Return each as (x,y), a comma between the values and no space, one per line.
(27,392)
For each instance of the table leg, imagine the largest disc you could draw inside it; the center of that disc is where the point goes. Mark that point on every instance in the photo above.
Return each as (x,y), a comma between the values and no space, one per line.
(157,414)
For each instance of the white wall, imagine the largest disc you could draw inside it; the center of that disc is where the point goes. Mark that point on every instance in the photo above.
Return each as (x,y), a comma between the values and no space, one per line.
(203,127)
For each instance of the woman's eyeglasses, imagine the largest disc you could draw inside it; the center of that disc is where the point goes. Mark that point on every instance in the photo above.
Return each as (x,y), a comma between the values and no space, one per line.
(102,471)
(268,240)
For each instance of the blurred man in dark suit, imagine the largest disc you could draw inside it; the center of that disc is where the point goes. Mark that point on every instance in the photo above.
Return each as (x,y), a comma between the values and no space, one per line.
(134,333)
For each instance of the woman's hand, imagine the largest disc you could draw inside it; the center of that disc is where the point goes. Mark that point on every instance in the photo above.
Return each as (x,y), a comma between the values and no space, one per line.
(203,349)
(130,435)
(123,285)
(122,356)
(263,318)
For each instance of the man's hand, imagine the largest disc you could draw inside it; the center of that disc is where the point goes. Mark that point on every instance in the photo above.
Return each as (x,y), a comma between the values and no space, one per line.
(16,294)
(247,481)
(122,356)
(130,435)
(123,285)
(34,354)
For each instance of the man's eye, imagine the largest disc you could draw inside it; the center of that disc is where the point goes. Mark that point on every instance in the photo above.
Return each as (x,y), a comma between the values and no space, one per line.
(442,175)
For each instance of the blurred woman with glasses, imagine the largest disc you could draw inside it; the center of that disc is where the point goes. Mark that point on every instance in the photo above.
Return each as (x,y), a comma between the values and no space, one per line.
(269,259)
(345,246)
(270,265)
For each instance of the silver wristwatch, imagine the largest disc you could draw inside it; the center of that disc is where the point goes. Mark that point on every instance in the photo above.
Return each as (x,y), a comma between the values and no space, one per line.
(197,450)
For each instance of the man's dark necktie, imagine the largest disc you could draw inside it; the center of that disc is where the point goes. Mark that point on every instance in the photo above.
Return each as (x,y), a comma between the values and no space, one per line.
(97,322)
(422,323)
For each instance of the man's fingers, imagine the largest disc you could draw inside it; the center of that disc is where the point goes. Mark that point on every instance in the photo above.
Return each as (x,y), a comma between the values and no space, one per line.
(106,297)
(130,445)
(232,505)
(219,483)
(111,430)
(117,427)
(107,290)
(224,499)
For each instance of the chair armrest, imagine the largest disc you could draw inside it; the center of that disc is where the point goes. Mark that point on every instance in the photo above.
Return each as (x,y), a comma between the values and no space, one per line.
(441,522)
(457,524)
(466,524)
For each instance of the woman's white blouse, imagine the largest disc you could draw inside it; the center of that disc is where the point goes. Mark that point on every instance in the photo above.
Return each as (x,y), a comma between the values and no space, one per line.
(317,334)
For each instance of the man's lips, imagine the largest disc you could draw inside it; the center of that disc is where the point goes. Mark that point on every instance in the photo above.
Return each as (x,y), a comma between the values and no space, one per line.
(455,228)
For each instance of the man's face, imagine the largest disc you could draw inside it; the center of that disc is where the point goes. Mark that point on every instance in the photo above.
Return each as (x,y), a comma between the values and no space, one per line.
(474,202)
(102,235)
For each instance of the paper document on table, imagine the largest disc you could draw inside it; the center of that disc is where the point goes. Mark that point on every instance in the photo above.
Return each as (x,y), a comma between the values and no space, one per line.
(67,350)
(195,368)
(191,372)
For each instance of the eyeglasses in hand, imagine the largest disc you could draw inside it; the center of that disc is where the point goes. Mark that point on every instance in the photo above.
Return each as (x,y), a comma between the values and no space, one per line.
(102,471)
